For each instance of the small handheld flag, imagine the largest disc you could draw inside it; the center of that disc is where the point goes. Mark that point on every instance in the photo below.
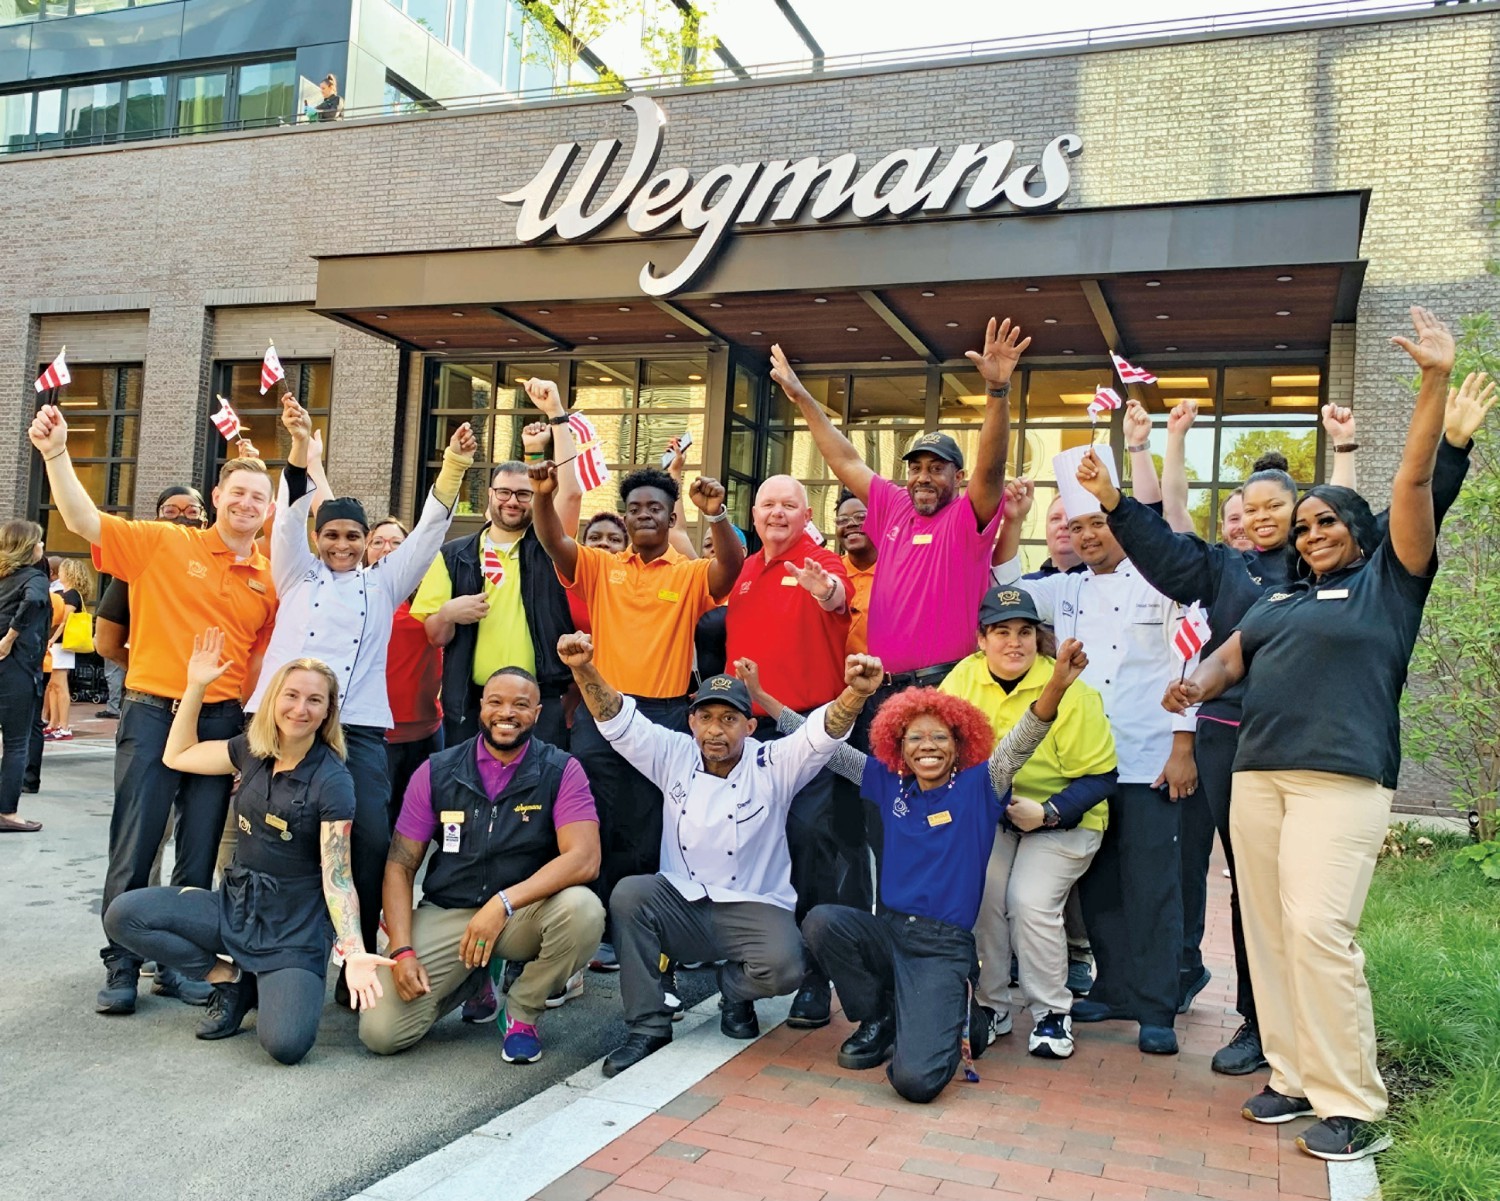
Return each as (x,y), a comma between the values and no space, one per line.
(56,374)
(588,460)
(1129,374)
(1192,633)
(270,370)
(226,421)
(1105,400)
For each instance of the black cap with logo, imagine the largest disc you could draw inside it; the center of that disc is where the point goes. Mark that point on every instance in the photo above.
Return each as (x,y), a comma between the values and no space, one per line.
(941,445)
(723,690)
(1006,602)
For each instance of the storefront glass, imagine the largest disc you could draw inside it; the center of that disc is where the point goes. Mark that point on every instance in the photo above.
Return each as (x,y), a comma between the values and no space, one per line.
(102,408)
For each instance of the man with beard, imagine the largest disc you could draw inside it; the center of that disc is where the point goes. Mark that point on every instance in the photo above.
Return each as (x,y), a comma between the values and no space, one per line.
(492,600)
(935,540)
(724,890)
(182,580)
(518,840)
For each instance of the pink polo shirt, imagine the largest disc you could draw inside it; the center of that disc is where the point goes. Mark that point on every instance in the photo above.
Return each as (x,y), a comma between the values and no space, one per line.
(924,604)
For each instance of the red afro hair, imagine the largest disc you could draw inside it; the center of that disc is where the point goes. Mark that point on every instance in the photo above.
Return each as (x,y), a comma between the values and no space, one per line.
(976,737)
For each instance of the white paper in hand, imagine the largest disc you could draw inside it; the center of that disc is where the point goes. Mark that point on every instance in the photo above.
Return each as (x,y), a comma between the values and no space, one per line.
(1078,501)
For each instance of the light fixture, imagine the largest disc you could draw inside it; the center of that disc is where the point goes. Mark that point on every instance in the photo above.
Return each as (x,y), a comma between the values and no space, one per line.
(1293,402)
(603,379)
(624,308)
(1032,288)
(755,333)
(1075,398)
(929,294)
(1283,279)
(1163,316)
(1153,283)
(593,337)
(545,312)
(1049,320)
(512,339)
(714,304)
(820,300)
(669,337)
(1068,352)
(695,377)
(458,314)
(952,324)
(1283,312)
(864,410)
(851,329)
(442,342)
(885,358)
(1279,346)
(1169,348)
(1182,381)
(1294,381)
(382,317)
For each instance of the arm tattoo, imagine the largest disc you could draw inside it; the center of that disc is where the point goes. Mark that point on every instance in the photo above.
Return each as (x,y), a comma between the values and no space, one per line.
(603,701)
(338,885)
(406,852)
(840,716)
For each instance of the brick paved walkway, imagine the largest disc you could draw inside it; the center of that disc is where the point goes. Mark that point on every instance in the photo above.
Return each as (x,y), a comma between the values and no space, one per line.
(783,1121)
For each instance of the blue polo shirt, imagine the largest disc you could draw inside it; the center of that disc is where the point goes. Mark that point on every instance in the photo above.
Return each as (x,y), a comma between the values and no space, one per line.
(937,843)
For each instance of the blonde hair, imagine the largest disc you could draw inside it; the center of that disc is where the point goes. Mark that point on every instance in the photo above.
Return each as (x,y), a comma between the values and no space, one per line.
(18,543)
(78,575)
(265,738)
(254,466)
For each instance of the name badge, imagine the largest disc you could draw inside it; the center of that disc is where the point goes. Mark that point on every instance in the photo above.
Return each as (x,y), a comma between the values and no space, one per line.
(788,581)
(451,832)
(453,817)
(1333,594)
(921,539)
(667,594)
(939,819)
(256,586)
(277,823)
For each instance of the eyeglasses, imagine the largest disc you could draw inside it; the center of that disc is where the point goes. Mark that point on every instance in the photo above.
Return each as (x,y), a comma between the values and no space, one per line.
(915,740)
(523,495)
(846,523)
(170,512)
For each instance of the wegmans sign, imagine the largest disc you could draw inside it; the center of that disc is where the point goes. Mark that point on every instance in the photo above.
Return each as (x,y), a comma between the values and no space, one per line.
(754,195)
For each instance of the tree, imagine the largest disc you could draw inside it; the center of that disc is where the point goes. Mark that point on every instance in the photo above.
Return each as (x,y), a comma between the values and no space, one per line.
(1452,705)
(675,41)
(557,33)
(1301,451)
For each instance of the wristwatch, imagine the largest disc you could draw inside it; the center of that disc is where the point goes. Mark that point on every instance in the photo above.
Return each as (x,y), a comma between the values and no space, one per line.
(560,419)
(1053,818)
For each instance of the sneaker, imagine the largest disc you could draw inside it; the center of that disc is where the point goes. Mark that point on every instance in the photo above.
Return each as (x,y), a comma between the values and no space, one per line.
(604,959)
(999,1022)
(1052,1037)
(1080,977)
(571,990)
(63,735)
(634,1049)
(118,993)
(1193,989)
(482,1008)
(812,1007)
(1242,1054)
(107,715)
(48,733)
(521,1043)
(226,1012)
(869,1046)
(1157,1040)
(694,965)
(170,982)
(512,973)
(1343,1139)
(1271,1108)
(670,998)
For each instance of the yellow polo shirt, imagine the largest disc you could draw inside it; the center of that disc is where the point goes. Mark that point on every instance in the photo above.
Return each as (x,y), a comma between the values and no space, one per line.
(503,638)
(1078,744)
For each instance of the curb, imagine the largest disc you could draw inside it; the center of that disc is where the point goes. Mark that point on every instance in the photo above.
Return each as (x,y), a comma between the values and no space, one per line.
(1355,1181)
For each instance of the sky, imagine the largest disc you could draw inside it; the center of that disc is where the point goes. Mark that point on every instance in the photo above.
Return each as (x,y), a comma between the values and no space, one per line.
(756,32)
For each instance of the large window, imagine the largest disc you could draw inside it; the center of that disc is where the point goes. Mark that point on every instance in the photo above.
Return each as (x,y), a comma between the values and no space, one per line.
(15,12)
(267,92)
(102,407)
(636,406)
(310,380)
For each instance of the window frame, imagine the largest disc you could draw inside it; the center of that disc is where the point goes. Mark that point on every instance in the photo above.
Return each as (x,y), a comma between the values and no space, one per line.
(216,449)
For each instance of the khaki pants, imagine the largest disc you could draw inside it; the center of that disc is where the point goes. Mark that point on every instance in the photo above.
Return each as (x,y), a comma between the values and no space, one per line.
(555,937)
(1305,844)
(1026,888)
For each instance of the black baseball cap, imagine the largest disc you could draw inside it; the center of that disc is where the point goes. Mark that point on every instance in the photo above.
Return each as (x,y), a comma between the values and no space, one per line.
(723,690)
(941,445)
(1005,602)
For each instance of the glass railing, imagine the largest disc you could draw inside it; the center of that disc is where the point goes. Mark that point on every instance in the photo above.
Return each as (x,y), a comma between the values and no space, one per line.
(20,12)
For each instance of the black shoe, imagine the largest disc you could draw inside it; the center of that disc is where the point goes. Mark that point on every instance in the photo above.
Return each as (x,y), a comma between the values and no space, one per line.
(1242,1054)
(1157,1040)
(812,1008)
(118,993)
(869,1046)
(1080,977)
(107,715)
(1270,1108)
(31,789)
(1343,1139)
(1097,1011)
(671,999)
(1193,989)
(169,982)
(634,1049)
(228,1008)
(737,1019)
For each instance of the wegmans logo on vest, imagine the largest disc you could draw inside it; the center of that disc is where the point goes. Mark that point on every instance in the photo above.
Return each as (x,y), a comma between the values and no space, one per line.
(754,194)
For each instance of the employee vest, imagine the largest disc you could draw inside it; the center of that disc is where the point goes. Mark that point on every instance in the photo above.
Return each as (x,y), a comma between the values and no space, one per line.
(500,842)
(545,602)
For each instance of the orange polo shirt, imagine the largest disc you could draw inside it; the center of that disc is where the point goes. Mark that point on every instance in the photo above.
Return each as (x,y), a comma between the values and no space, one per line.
(643,616)
(181,582)
(859,606)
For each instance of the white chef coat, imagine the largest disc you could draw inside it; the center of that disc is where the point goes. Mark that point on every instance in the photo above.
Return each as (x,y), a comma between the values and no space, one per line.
(343,617)
(724,838)
(1126,628)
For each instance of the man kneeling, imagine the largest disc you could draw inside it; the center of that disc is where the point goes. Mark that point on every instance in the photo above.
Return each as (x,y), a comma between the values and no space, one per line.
(725,886)
(518,839)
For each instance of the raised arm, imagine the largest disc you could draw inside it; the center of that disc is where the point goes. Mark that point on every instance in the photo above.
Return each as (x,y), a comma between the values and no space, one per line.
(1174,481)
(401,571)
(678,536)
(560,547)
(49,434)
(1413,530)
(1019,495)
(569,499)
(343,908)
(837,451)
(183,751)
(846,761)
(1143,482)
(1003,347)
(1026,735)
(1338,425)
(708,497)
(291,557)
(577,653)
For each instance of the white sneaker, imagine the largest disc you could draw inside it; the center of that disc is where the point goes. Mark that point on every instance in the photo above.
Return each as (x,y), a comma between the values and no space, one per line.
(1000,1022)
(571,989)
(1052,1037)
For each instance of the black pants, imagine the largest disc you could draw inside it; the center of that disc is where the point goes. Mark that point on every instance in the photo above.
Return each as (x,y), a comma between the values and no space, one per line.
(401,762)
(551,725)
(1132,905)
(1213,750)
(758,941)
(181,927)
(372,823)
(145,793)
(35,742)
(630,806)
(913,967)
(20,700)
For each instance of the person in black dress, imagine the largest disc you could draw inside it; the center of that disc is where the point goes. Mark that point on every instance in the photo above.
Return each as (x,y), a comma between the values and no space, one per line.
(25,613)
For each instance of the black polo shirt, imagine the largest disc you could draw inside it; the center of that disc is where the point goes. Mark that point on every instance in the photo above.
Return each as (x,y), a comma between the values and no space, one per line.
(1325,666)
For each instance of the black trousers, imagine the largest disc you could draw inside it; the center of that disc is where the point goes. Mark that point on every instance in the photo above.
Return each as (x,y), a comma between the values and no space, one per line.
(1213,750)
(181,927)
(401,762)
(913,967)
(758,941)
(630,806)
(20,701)
(146,792)
(372,825)
(35,742)
(1132,905)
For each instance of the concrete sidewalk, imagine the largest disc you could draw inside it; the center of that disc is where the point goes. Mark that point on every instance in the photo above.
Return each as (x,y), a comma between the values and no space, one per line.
(781,1120)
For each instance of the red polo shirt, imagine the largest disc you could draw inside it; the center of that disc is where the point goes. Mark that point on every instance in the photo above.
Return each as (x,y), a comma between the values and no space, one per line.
(778,623)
